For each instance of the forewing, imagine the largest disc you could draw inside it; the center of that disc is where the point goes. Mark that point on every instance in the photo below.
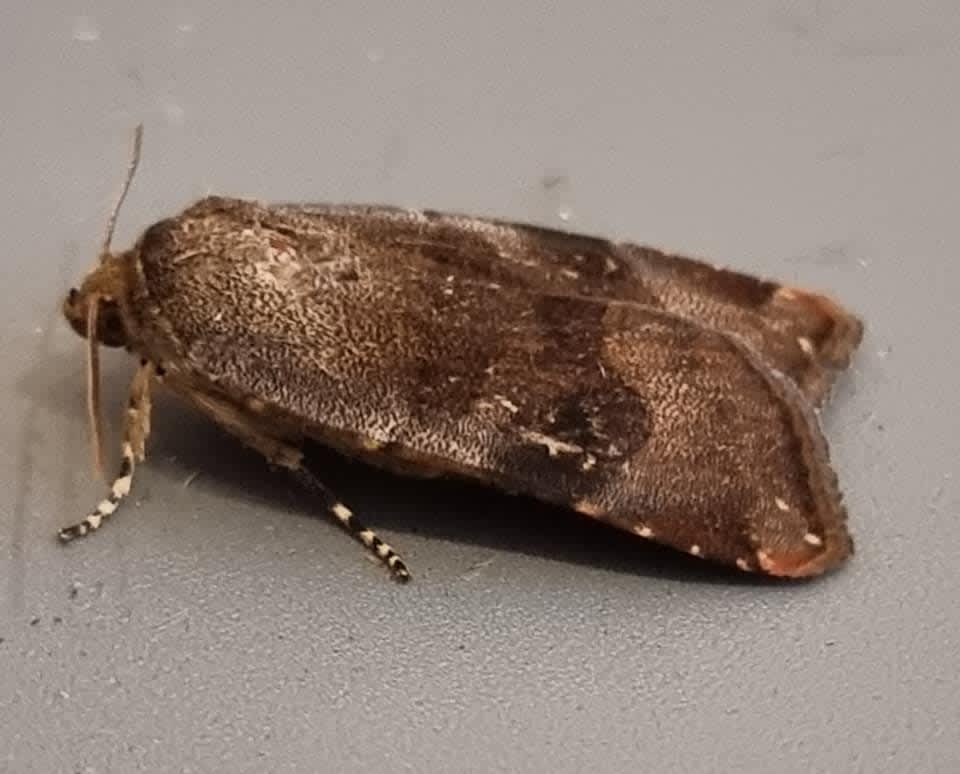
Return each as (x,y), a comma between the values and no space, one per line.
(630,414)
(803,334)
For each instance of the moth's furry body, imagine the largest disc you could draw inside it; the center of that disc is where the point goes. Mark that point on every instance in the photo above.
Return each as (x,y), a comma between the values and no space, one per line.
(652,392)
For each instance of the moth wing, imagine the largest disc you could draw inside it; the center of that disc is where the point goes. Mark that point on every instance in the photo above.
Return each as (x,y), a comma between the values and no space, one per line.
(641,418)
(803,334)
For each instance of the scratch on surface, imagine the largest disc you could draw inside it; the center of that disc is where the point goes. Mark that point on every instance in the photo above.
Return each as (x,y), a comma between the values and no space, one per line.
(475,569)
(172,619)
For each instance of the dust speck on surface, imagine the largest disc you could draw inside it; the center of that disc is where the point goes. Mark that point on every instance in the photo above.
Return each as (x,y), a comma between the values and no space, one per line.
(85,29)
(553,179)
(173,113)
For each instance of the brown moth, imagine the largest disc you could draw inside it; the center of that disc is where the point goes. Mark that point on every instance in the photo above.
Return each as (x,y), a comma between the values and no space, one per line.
(658,394)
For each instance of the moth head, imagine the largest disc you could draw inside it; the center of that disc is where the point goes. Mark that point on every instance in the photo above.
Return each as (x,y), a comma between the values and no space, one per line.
(95,305)
(95,309)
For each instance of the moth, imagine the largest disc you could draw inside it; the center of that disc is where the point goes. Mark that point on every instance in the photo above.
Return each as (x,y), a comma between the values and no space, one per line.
(667,397)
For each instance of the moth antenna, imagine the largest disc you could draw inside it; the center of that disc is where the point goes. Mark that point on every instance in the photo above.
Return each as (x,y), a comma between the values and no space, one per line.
(94,416)
(131,170)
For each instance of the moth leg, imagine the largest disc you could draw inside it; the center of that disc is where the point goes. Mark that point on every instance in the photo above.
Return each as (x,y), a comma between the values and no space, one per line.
(285,454)
(136,429)
(361,532)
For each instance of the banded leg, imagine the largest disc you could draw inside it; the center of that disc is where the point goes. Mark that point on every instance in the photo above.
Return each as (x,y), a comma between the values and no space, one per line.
(136,428)
(361,532)
(284,452)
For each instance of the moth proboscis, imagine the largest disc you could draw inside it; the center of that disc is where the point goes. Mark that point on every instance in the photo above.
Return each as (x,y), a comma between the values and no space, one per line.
(656,393)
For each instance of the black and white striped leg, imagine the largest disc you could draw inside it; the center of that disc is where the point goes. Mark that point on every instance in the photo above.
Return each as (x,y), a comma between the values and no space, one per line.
(136,428)
(361,532)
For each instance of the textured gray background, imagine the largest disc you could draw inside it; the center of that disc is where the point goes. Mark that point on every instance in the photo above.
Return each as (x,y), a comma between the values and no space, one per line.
(217,626)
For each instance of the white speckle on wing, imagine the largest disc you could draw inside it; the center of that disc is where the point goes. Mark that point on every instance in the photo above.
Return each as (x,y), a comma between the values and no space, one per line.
(786,294)
(588,508)
(554,445)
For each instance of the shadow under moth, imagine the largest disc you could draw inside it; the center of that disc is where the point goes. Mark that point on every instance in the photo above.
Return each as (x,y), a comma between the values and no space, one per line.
(659,394)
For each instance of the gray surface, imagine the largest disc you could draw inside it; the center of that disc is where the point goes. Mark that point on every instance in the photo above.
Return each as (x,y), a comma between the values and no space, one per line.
(218,627)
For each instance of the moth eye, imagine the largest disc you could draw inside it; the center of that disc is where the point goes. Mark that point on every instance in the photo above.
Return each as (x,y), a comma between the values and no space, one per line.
(111,331)
(73,295)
